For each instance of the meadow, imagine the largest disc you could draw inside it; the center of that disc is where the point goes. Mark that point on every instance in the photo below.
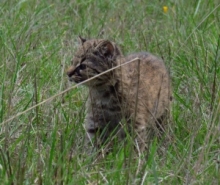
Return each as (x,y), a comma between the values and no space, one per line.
(41,114)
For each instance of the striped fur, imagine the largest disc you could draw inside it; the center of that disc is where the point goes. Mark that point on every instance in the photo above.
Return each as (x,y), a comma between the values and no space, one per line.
(135,96)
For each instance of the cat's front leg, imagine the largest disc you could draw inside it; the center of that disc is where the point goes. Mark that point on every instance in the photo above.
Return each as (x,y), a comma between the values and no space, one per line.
(97,137)
(92,129)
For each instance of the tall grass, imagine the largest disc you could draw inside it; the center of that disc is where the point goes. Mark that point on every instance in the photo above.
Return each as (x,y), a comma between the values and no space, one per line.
(37,41)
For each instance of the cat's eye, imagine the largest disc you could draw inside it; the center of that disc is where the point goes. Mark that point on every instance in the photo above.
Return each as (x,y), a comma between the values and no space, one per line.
(82,66)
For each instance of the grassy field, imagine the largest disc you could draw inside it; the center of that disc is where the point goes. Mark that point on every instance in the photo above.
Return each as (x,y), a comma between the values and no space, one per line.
(37,41)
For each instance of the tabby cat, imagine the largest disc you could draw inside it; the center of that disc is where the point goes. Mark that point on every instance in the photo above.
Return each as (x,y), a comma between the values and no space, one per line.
(133,98)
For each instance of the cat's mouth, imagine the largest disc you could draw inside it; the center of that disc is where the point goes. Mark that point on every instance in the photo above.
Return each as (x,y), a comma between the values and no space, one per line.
(73,77)
(76,79)
(79,79)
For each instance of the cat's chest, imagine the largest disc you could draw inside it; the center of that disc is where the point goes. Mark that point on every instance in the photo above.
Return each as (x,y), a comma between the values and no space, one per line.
(104,100)
(105,108)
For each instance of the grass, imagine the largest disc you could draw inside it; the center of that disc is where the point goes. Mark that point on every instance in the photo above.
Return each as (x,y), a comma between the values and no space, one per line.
(37,41)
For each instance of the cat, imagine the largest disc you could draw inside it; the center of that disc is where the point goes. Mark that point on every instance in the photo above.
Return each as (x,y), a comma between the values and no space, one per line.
(133,98)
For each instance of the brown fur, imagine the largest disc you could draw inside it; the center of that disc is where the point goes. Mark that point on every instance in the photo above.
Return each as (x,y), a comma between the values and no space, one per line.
(135,96)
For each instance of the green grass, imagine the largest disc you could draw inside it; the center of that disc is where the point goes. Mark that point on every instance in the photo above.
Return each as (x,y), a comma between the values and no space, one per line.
(37,41)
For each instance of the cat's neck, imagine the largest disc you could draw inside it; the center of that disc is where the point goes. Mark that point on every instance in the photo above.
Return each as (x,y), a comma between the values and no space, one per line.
(111,84)
(110,88)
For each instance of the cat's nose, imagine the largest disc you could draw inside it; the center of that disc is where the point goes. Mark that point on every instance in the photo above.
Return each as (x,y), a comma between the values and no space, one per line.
(70,71)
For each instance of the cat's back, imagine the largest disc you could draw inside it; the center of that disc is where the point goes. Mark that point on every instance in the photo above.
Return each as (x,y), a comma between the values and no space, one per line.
(146,65)
(148,68)
(148,62)
(149,75)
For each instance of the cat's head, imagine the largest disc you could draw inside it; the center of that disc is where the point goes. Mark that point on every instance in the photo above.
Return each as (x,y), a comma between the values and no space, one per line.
(92,58)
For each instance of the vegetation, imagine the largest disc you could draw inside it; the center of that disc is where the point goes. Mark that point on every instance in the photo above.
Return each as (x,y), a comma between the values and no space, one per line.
(37,41)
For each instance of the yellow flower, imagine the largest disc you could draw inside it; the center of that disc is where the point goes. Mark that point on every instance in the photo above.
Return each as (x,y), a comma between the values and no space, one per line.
(165,9)
(112,20)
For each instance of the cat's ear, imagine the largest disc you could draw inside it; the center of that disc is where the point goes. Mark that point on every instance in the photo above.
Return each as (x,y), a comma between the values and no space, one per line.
(81,40)
(106,48)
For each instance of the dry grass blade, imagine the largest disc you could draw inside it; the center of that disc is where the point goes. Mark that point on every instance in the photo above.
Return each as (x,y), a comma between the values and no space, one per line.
(56,95)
